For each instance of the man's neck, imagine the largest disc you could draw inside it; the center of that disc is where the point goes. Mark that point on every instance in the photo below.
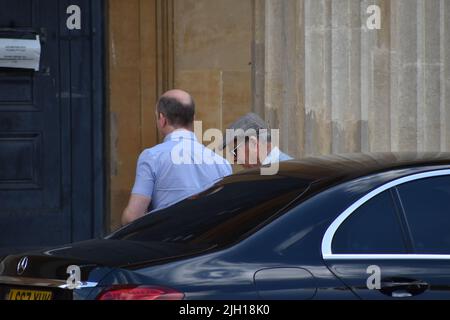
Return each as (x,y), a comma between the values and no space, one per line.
(172,130)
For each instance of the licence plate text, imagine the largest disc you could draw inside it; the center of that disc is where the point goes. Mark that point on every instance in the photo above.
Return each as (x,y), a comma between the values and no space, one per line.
(17,294)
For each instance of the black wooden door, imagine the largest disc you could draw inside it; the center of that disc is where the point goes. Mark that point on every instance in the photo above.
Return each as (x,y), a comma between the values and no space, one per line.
(51,169)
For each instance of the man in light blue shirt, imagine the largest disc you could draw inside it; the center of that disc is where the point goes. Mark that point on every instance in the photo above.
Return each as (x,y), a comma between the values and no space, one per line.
(177,168)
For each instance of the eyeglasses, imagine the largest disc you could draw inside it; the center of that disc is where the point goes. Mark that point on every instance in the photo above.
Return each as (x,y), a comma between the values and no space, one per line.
(234,151)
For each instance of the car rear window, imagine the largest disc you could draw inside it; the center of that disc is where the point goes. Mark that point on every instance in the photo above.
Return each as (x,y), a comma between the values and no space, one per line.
(220,215)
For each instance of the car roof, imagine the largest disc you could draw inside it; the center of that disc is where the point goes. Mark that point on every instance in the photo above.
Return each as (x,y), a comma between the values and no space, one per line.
(352,166)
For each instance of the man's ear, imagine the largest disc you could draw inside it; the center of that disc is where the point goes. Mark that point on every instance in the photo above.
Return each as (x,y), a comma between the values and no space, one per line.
(162,119)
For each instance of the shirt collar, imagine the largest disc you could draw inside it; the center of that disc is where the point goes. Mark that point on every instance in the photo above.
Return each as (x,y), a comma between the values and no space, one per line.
(273,156)
(180,134)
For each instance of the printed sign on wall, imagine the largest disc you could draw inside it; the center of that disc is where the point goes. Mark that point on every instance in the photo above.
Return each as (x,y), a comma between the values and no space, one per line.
(20,53)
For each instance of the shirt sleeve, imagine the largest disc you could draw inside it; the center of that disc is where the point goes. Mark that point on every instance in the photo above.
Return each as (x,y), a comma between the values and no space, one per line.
(145,178)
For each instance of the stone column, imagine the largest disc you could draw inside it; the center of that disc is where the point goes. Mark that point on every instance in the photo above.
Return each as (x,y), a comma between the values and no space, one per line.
(278,75)
(333,86)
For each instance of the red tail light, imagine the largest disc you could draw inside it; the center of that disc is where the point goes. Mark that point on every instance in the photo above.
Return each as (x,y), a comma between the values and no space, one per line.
(140,293)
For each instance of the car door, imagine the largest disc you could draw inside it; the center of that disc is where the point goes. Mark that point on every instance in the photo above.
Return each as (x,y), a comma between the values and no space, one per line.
(394,243)
(425,204)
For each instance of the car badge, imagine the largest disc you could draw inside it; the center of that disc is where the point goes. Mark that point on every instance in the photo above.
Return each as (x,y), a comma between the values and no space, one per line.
(22,265)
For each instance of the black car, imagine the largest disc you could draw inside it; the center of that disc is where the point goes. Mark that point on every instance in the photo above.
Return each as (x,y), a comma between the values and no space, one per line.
(367,226)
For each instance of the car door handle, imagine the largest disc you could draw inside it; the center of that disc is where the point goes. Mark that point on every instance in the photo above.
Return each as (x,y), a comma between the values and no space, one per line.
(402,287)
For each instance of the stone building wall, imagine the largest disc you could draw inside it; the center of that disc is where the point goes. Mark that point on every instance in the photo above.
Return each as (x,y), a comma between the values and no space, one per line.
(334,86)
(212,50)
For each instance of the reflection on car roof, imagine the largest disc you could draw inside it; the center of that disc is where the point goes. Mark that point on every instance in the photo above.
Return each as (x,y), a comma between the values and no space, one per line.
(349,165)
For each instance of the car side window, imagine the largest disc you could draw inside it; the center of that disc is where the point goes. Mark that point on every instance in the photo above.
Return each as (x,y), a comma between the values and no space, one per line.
(427,207)
(373,228)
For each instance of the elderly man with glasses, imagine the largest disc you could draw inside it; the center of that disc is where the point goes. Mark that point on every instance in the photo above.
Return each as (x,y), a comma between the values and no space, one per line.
(249,140)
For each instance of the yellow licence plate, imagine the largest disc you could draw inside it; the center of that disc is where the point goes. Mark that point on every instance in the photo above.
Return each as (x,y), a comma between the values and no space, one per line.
(17,294)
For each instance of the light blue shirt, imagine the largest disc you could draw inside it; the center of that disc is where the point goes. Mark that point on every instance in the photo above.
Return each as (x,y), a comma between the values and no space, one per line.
(176,169)
(276,156)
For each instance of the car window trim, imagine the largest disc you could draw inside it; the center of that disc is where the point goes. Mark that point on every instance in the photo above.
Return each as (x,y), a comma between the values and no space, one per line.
(403,220)
(327,239)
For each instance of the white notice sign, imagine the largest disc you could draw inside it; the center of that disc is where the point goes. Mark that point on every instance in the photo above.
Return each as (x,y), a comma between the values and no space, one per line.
(20,53)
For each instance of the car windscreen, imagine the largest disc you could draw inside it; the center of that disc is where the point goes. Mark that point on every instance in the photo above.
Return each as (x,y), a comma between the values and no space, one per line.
(221,215)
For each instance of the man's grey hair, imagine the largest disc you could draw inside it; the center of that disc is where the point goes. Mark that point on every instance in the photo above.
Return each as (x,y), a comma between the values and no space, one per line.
(249,125)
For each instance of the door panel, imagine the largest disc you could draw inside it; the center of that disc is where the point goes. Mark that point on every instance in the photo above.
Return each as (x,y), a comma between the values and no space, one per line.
(30,138)
(401,273)
(47,129)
